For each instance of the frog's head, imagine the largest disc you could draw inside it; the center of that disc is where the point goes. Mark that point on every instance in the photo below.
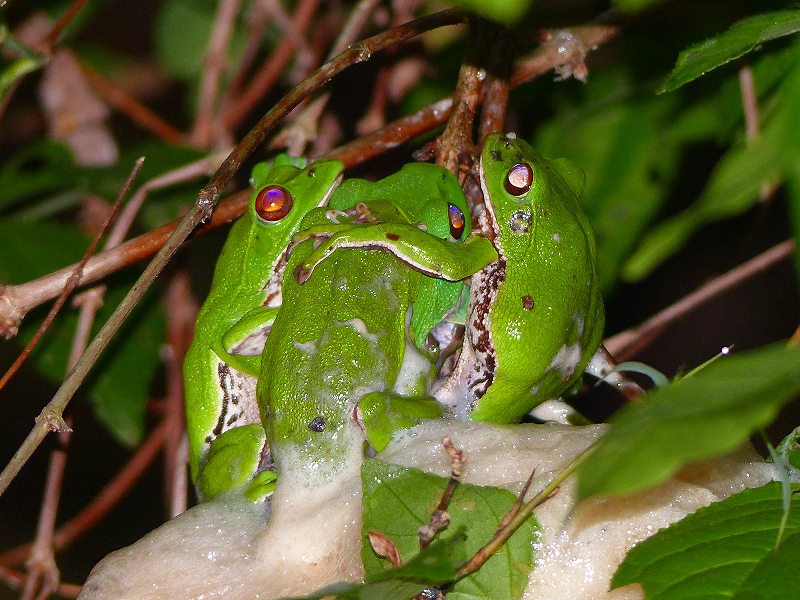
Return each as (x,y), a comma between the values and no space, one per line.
(521,188)
(284,192)
(446,216)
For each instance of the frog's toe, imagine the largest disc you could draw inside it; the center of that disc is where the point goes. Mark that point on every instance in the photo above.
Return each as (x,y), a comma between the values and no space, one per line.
(303,273)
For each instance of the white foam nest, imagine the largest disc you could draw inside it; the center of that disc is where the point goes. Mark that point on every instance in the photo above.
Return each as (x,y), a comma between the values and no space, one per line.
(312,538)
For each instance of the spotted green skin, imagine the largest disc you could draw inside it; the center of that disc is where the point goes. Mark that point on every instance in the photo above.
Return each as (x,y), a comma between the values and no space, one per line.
(340,341)
(221,408)
(535,317)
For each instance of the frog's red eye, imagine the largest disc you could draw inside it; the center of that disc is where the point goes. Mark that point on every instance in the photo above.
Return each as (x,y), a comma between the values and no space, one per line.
(273,203)
(457,221)
(519,179)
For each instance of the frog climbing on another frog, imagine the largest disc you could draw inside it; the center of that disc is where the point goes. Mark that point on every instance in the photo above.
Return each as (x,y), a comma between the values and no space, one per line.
(429,200)
(341,345)
(535,317)
(226,439)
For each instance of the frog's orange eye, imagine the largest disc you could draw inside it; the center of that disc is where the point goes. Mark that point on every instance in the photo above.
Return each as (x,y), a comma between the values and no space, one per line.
(273,203)
(519,179)
(457,221)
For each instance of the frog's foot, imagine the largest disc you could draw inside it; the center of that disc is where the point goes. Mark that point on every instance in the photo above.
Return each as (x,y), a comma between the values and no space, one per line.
(416,248)
(236,463)
(381,415)
(603,366)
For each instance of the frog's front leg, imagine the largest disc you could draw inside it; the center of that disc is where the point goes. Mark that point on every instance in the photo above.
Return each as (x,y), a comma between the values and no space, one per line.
(603,366)
(230,462)
(341,221)
(244,342)
(382,414)
(223,399)
(416,248)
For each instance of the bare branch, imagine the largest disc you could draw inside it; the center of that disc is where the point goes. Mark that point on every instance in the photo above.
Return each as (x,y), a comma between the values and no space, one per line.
(624,343)
(214,65)
(51,415)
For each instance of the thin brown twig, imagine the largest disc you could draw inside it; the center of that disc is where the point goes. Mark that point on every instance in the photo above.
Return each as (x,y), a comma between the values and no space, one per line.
(522,514)
(256,22)
(266,76)
(181,311)
(50,40)
(18,300)
(456,141)
(71,283)
(15,579)
(290,29)
(752,120)
(440,518)
(135,110)
(520,501)
(497,85)
(622,343)
(356,22)
(43,576)
(214,65)
(749,102)
(105,501)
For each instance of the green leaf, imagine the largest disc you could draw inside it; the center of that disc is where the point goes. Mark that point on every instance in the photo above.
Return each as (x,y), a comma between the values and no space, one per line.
(504,11)
(182,33)
(632,5)
(740,39)
(43,166)
(430,568)
(119,384)
(161,205)
(706,415)
(725,550)
(735,184)
(398,500)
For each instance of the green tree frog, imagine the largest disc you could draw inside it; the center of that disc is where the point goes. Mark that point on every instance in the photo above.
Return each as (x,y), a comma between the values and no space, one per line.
(535,317)
(429,200)
(340,341)
(226,439)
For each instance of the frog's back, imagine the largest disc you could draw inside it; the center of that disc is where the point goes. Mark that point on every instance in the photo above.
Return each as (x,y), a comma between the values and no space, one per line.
(338,336)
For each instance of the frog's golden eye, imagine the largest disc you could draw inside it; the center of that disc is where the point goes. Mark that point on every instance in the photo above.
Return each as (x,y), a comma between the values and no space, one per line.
(457,221)
(273,203)
(519,179)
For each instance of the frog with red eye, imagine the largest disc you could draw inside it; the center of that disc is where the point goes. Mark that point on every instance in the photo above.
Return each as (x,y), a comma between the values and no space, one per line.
(535,317)
(227,444)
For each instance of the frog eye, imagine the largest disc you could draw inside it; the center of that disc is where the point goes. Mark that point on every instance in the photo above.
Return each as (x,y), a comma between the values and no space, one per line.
(519,179)
(457,221)
(273,203)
